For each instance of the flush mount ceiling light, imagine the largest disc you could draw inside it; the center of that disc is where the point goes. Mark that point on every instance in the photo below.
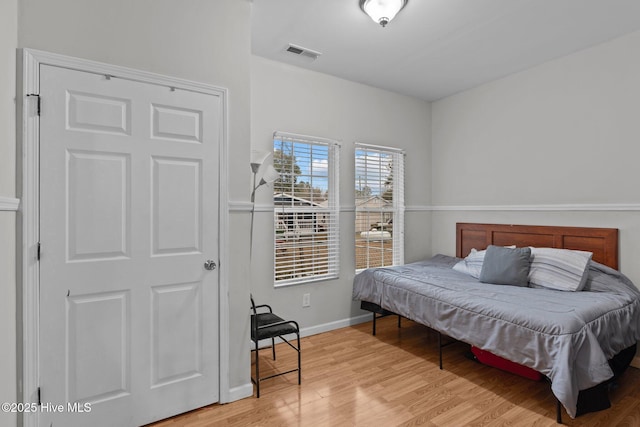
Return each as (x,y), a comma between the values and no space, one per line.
(382,11)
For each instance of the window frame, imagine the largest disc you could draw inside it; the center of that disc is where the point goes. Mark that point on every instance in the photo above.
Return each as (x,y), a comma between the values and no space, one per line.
(396,210)
(298,228)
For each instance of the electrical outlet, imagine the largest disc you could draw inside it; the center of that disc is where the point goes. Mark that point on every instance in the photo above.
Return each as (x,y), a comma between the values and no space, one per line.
(306,300)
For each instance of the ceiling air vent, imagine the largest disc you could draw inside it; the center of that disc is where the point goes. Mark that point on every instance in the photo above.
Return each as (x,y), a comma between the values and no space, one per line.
(303,52)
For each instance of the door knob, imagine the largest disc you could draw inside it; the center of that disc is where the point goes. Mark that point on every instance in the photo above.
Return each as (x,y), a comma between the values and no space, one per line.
(210,264)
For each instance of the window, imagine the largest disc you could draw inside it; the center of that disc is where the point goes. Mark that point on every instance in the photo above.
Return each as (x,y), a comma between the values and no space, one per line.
(379,174)
(305,209)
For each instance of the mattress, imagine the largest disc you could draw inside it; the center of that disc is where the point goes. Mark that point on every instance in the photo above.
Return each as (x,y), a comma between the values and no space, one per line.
(567,336)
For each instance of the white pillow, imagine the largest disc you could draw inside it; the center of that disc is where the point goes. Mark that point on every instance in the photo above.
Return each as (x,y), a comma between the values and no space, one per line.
(561,269)
(472,264)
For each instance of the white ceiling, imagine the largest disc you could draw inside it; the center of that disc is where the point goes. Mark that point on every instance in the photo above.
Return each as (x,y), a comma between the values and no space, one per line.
(435,48)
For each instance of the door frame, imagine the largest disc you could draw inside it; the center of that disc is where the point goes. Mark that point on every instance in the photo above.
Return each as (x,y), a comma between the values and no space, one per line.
(28,218)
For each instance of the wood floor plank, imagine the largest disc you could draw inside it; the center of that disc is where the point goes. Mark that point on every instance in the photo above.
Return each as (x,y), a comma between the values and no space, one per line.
(352,378)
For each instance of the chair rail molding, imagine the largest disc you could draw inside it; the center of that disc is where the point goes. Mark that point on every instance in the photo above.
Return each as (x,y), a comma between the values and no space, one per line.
(235,206)
(585,207)
(570,207)
(9,204)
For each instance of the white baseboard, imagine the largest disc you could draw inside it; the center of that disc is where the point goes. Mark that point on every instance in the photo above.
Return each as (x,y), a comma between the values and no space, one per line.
(636,362)
(326,327)
(241,392)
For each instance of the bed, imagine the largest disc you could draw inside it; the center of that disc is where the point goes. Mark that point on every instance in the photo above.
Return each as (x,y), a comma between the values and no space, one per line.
(570,337)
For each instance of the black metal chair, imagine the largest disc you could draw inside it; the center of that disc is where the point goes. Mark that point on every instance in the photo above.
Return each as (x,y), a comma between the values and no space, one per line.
(267,325)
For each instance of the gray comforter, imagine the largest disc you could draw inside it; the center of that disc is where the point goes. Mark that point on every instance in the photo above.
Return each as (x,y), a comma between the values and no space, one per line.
(567,336)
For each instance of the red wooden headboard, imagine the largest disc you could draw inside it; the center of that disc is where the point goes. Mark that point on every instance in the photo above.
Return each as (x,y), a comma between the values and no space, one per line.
(603,242)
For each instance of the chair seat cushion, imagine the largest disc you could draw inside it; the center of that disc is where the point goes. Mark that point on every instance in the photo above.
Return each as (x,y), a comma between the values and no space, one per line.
(266,331)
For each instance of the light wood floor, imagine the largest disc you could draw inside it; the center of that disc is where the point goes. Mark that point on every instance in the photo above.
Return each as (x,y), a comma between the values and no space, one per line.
(351,378)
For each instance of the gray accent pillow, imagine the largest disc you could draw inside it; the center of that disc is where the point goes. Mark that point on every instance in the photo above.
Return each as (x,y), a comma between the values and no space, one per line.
(506,266)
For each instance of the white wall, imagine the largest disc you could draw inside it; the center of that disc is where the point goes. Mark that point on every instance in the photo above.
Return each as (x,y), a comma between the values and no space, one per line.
(8,43)
(563,133)
(200,40)
(293,99)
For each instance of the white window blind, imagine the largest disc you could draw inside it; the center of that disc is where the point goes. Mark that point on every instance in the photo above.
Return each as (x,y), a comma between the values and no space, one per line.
(305,209)
(379,189)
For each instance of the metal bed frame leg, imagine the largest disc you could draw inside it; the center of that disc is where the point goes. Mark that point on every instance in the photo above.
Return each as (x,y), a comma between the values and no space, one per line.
(558,412)
(440,348)
(374,323)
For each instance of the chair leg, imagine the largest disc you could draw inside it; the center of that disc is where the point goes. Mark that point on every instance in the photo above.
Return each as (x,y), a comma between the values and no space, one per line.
(257,372)
(273,347)
(290,343)
(299,360)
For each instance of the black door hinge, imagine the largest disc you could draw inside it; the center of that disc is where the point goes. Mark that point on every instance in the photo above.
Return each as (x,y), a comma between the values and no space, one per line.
(38,252)
(39,399)
(38,96)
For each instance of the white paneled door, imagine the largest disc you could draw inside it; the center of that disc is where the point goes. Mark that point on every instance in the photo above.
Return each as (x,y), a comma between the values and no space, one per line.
(128,220)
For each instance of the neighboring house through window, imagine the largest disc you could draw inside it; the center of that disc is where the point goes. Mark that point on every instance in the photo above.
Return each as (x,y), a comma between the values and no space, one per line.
(379,190)
(305,209)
